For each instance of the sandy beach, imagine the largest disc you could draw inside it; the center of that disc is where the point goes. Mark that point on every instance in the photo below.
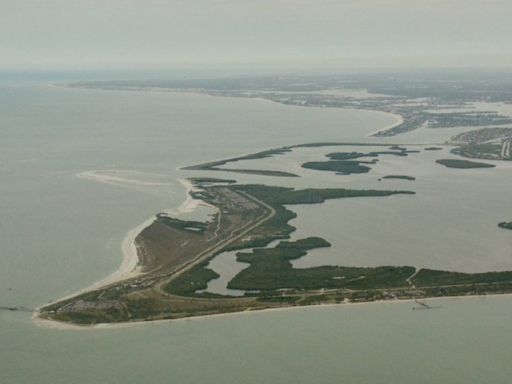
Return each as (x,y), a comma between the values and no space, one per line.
(399,121)
(129,267)
(50,324)
(190,203)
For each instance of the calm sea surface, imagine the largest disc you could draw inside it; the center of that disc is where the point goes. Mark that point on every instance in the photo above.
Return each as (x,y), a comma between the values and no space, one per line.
(60,233)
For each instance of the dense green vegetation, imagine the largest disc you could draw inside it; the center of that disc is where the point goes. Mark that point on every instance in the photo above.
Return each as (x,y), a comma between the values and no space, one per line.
(505,225)
(271,269)
(346,167)
(276,227)
(304,244)
(357,155)
(217,164)
(468,289)
(463,164)
(432,278)
(193,280)
(341,167)
(253,156)
(395,151)
(433,149)
(344,163)
(347,155)
(284,196)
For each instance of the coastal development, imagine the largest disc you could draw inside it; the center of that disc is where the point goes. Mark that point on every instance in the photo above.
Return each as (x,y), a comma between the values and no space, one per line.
(429,102)
(253,219)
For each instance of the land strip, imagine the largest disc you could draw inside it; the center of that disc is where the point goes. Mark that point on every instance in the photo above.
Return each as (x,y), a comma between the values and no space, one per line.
(174,256)
(173,250)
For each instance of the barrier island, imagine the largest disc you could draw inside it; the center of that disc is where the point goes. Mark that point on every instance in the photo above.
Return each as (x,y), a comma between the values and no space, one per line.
(173,257)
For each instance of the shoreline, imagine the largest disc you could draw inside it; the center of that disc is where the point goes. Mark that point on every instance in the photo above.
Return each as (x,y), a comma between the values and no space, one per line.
(190,204)
(391,126)
(129,267)
(199,91)
(61,326)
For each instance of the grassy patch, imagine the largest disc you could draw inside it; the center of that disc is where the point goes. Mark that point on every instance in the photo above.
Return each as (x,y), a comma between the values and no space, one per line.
(187,225)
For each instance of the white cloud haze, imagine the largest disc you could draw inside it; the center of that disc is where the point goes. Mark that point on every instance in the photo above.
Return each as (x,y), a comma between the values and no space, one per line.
(266,33)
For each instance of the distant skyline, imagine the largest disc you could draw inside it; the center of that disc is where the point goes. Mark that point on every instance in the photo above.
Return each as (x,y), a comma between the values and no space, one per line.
(258,34)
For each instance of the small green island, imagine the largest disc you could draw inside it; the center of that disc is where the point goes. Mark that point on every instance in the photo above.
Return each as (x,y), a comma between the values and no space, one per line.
(173,271)
(341,167)
(433,148)
(463,164)
(505,225)
(217,165)
(346,163)
(399,177)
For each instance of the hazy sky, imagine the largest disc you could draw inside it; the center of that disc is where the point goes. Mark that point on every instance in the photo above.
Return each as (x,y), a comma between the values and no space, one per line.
(84,34)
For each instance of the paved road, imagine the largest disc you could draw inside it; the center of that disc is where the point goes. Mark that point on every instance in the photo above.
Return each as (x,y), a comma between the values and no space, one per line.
(206,254)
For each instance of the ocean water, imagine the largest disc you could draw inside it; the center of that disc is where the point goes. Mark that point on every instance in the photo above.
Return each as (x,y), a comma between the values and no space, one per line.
(449,224)
(61,232)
